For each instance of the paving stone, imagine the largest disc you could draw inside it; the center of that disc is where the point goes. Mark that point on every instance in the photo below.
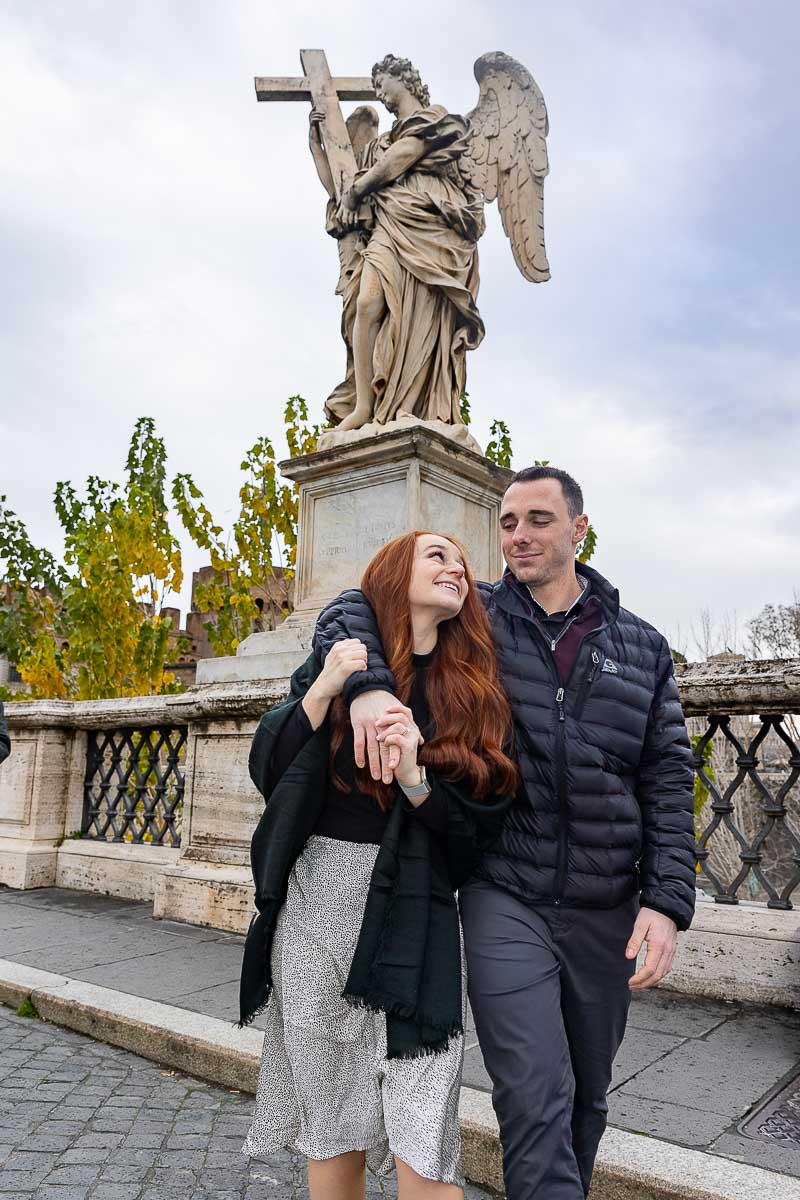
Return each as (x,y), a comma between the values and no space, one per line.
(144,1141)
(63,1192)
(658,1118)
(128,1173)
(136,1156)
(75,1112)
(20,1181)
(193,1159)
(83,1154)
(74,1173)
(684,1016)
(43,1140)
(116,1191)
(187,1141)
(173,972)
(725,1073)
(99,1141)
(31,1160)
(475,1073)
(639,1049)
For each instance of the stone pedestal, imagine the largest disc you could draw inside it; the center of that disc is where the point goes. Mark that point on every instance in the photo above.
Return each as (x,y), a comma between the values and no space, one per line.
(354,499)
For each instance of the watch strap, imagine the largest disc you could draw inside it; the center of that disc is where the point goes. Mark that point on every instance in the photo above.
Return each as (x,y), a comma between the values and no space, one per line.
(418,791)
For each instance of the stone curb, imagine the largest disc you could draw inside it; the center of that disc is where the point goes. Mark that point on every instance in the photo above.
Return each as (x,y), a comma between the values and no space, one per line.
(629,1167)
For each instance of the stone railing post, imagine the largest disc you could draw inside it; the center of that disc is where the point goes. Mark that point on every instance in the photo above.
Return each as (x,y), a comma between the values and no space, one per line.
(211,882)
(34,793)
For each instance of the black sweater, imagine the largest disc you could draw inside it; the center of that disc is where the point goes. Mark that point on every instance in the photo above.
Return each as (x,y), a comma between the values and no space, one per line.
(354,815)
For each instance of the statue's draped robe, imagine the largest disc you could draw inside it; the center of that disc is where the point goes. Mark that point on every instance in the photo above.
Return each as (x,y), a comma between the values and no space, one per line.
(423,245)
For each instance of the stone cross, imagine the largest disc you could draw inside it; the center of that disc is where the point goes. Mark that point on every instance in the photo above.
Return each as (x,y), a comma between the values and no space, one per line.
(324,92)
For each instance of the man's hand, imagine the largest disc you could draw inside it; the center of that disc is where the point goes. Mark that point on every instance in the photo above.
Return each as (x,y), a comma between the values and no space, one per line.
(364,712)
(661,935)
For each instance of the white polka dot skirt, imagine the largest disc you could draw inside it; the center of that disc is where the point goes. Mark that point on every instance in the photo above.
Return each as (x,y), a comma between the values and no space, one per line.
(326,1086)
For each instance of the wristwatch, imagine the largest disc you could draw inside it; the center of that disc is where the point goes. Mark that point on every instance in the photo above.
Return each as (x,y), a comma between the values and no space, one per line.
(418,791)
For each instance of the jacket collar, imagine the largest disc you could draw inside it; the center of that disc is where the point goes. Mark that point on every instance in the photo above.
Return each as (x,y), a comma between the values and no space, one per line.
(513,597)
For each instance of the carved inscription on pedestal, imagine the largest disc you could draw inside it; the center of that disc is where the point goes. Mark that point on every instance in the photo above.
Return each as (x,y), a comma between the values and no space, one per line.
(348,528)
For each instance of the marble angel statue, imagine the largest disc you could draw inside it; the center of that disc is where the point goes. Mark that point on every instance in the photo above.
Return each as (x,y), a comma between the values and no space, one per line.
(416,208)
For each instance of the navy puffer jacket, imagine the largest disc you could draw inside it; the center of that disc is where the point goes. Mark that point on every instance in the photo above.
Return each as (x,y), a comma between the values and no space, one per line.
(606,807)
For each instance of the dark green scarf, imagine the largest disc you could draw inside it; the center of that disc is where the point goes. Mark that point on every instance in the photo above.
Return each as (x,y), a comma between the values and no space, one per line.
(407,961)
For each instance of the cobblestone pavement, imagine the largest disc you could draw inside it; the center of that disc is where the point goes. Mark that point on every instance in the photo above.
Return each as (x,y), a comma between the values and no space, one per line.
(79,1119)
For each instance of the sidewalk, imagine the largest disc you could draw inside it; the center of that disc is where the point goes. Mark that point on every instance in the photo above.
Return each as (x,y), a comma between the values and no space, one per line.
(690,1071)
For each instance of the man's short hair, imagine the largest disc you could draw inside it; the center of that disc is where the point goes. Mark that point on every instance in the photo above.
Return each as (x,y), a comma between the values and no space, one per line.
(571,489)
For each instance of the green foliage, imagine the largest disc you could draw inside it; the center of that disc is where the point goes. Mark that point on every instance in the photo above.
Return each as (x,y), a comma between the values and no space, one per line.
(24,608)
(99,630)
(264,534)
(499,448)
(27,1009)
(465,408)
(701,792)
(585,549)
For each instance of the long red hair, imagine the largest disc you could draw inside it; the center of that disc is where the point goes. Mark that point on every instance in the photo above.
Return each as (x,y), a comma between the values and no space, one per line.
(469,710)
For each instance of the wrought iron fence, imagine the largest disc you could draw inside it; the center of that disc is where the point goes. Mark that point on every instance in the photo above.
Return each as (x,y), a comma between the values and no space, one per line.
(747,811)
(134,784)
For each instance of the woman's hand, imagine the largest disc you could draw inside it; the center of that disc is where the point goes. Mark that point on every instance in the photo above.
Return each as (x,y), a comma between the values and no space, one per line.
(343,660)
(397,727)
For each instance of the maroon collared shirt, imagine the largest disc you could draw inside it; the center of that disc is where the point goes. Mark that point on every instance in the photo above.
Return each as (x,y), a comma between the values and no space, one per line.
(564,630)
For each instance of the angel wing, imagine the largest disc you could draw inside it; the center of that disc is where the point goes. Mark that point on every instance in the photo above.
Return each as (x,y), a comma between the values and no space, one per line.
(507,156)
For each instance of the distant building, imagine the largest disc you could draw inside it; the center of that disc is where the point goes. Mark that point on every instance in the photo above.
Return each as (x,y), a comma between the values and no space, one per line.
(274,602)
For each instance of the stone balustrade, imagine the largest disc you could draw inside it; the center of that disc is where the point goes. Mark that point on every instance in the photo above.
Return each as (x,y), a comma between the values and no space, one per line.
(172,772)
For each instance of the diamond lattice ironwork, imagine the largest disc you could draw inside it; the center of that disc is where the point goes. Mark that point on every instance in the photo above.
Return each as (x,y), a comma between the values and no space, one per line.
(133,790)
(774,821)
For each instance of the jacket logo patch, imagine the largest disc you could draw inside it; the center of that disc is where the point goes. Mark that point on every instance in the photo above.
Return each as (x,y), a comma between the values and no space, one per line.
(609,667)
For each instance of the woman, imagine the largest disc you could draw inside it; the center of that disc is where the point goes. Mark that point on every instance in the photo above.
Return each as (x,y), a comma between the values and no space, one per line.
(358,927)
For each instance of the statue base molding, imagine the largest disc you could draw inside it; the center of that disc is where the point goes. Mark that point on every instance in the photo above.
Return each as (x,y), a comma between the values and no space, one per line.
(353,499)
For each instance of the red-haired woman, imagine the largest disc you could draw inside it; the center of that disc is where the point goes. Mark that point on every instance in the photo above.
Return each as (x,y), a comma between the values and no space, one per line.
(357,943)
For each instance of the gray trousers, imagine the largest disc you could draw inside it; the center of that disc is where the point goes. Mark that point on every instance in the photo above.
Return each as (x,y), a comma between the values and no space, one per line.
(549,992)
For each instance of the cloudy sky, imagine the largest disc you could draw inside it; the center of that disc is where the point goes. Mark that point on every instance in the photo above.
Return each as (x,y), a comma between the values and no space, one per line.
(162,252)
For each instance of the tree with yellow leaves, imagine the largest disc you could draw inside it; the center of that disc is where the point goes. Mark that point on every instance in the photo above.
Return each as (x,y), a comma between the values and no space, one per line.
(93,628)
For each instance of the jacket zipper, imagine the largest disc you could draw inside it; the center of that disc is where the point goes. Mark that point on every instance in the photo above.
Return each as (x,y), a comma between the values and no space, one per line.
(561,752)
(560,766)
(586,683)
(561,794)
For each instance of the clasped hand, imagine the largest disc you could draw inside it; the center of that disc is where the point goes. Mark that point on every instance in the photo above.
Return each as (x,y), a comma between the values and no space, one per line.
(397,728)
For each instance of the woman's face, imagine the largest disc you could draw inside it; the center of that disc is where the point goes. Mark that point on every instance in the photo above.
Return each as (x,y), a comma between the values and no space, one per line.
(438,582)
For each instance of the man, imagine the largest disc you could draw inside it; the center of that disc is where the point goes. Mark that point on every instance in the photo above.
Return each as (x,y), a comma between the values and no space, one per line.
(596,856)
(5,740)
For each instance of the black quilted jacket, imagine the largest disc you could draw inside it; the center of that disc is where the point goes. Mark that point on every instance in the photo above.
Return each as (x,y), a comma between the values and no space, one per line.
(607,802)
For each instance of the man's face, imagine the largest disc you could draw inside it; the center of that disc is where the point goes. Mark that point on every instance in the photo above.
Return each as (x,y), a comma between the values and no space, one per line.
(537,533)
